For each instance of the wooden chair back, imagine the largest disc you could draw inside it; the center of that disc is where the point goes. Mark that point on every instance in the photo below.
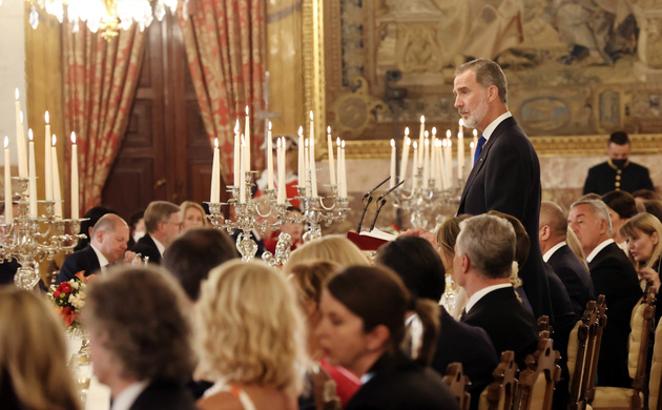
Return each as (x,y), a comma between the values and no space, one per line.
(537,381)
(458,384)
(502,393)
(655,382)
(642,325)
(578,357)
(596,329)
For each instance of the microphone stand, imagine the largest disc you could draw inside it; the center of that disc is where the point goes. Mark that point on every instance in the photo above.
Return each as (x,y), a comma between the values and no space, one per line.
(367,199)
(382,201)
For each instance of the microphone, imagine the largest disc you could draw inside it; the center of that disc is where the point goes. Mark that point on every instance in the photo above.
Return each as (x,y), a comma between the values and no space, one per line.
(382,201)
(367,199)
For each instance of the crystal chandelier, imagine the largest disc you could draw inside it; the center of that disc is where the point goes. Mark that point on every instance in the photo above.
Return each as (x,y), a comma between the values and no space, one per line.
(109,16)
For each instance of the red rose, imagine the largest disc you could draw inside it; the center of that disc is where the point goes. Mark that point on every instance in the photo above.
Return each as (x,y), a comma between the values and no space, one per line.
(65,287)
(68,314)
(56,294)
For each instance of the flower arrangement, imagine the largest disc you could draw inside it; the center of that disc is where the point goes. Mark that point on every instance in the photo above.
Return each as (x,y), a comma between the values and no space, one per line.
(69,297)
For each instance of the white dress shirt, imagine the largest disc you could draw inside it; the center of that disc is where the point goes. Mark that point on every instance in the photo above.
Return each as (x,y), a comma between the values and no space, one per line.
(125,399)
(103,261)
(597,250)
(159,246)
(551,251)
(487,132)
(481,293)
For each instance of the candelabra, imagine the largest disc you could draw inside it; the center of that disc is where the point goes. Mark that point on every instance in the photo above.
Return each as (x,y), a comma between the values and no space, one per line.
(427,203)
(252,214)
(319,210)
(31,240)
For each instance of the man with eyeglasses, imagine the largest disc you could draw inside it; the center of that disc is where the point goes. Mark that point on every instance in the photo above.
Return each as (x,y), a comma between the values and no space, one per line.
(163,223)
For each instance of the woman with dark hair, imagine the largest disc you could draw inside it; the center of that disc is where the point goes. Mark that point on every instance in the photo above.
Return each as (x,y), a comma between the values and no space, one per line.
(419,266)
(362,329)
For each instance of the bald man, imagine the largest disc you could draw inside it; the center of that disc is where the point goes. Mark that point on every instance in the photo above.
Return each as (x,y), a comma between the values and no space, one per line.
(110,236)
(553,227)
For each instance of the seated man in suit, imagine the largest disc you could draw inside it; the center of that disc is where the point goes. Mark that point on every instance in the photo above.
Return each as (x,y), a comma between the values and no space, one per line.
(614,276)
(139,339)
(107,246)
(482,265)
(163,222)
(556,253)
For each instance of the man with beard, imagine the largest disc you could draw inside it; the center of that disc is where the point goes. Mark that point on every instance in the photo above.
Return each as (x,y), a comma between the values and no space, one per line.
(506,172)
(617,173)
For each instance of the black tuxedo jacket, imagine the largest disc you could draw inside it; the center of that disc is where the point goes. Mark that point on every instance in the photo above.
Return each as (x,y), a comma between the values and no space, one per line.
(83,260)
(508,324)
(601,179)
(506,178)
(469,345)
(146,247)
(615,277)
(575,277)
(164,396)
(398,383)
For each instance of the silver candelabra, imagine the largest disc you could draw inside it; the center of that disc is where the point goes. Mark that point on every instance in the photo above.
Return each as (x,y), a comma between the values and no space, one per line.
(31,240)
(318,210)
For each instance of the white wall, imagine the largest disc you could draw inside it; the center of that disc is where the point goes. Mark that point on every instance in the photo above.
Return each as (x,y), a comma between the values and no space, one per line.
(12,68)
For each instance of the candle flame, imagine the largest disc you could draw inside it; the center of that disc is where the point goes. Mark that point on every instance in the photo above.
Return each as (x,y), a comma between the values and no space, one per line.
(247,111)
(392,143)
(406,131)
(17,95)
(475,132)
(343,144)
(47,117)
(310,115)
(72,137)
(269,126)
(53,140)
(300,131)
(426,134)
(434,131)
(328,129)
(6,142)
(236,126)
(471,144)
(338,141)
(216,143)
(448,133)
(30,134)
(422,119)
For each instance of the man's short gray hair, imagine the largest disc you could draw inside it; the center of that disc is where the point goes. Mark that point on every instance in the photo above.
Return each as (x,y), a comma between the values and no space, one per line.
(489,243)
(599,209)
(487,73)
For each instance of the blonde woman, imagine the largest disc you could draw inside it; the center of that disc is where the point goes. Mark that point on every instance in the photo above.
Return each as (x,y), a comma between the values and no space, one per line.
(33,368)
(643,233)
(193,215)
(331,248)
(250,338)
(454,298)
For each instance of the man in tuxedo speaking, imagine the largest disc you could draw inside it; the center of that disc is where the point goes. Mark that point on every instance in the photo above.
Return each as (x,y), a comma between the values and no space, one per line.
(506,172)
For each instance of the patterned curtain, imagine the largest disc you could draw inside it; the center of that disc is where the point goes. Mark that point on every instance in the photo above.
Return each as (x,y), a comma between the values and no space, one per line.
(225,44)
(100,79)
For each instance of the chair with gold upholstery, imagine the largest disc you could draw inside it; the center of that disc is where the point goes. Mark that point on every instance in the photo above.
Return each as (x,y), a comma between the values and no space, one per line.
(537,381)
(502,393)
(458,384)
(596,330)
(641,329)
(578,360)
(655,382)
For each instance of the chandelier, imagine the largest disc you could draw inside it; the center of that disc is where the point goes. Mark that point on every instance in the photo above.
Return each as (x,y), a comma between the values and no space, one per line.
(109,16)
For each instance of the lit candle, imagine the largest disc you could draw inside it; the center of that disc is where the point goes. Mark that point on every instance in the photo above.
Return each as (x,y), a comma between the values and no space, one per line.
(313,166)
(460,150)
(75,194)
(21,146)
(332,167)
(421,135)
(433,160)
(48,179)
(415,166)
(237,154)
(426,159)
(441,164)
(270,159)
(339,165)
(215,194)
(32,176)
(242,172)
(306,165)
(448,160)
(393,177)
(57,192)
(404,158)
(301,159)
(438,179)
(247,136)
(344,170)
(9,214)
(280,160)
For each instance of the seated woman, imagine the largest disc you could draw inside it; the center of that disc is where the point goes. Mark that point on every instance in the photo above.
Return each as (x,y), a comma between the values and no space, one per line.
(454,297)
(250,338)
(416,262)
(33,366)
(362,329)
(330,248)
(193,215)
(309,280)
